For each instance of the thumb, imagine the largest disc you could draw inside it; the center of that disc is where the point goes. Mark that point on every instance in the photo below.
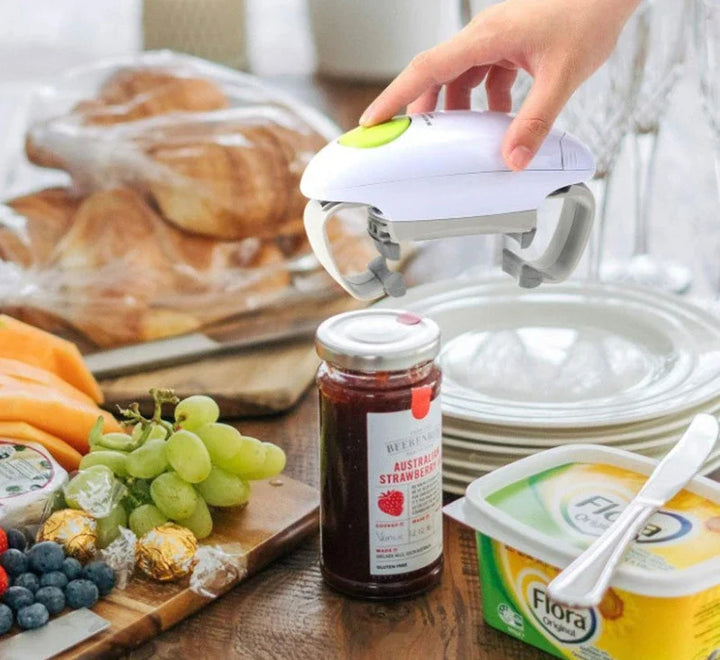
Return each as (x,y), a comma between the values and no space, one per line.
(533,121)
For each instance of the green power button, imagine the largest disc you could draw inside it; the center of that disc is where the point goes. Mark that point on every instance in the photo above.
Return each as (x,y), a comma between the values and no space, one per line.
(374,136)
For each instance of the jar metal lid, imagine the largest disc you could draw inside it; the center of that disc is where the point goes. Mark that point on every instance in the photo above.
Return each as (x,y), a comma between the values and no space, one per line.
(377,340)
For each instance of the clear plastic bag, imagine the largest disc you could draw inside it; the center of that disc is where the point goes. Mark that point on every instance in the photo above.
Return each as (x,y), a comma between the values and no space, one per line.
(184,208)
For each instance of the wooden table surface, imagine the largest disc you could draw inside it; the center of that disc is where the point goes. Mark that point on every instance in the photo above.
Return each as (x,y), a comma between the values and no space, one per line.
(286,611)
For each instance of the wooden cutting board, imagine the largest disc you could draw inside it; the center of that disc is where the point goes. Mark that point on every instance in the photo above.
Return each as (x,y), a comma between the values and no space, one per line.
(258,380)
(276,519)
(253,382)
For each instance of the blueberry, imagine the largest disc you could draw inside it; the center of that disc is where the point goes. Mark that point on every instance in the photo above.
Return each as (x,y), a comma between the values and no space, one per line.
(72,568)
(6,619)
(33,616)
(17,539)
(53,599)
(46,556)
(81,593)
(28,580)
(102,575)
(18,597)
(54,579)
(14,561)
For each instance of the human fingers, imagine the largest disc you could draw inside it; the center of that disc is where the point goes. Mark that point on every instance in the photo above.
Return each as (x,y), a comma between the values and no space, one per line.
(534,120)
(426,102)
(458,92)
(499,84)
(431,68)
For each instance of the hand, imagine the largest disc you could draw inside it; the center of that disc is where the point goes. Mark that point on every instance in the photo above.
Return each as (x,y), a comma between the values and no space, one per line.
(560,43)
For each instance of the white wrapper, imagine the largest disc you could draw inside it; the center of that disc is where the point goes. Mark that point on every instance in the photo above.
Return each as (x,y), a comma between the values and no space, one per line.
(217,568)
(29,479)
(120,556)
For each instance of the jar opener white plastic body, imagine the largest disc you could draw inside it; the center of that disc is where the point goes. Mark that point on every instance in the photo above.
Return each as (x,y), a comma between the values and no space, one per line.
(441,174)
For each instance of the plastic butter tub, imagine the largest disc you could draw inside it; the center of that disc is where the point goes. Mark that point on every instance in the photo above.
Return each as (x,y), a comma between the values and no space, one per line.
(29,479)
(533,517)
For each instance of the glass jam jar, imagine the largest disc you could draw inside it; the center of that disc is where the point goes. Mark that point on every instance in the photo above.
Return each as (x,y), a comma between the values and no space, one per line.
(380,453)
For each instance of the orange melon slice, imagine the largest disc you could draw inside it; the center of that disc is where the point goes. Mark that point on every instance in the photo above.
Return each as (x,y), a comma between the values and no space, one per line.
(27,374)
(49,410)
(61,451)
(20,341)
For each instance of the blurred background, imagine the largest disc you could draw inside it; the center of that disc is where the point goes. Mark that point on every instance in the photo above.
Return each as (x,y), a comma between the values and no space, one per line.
(287,42)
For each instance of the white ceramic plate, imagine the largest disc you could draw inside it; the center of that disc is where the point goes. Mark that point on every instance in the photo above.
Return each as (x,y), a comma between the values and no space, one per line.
(478,460)
(462,444)
(454,487)
(512,439)
(542,437)
(568,355)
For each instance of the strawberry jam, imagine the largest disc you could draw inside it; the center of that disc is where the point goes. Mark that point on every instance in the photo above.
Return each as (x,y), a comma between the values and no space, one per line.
(380,454)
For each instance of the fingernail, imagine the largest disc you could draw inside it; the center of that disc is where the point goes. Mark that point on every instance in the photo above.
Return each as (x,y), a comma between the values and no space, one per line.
(365,116)
(520,156)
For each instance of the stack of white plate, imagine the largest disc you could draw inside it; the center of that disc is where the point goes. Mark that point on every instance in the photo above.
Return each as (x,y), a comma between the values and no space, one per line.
(577,362)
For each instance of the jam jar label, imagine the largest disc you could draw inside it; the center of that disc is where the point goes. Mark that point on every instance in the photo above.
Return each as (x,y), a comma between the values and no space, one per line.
(404,489)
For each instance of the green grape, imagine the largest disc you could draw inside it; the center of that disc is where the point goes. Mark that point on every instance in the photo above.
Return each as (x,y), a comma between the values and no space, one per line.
(93,479)
(96,432)
(222,488)
(188,456)
(137,431)
(200,522)
(274,463)
(145,518)
(195,411)
(157,432)
(117,442)
(231,450)
(108,528)
(147,461)
(175,497)
(115,460)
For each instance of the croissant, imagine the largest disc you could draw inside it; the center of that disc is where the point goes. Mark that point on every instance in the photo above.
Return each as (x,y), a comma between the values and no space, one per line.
(352,251)
(232,191)
(134,277)
(132,94)
(29,237)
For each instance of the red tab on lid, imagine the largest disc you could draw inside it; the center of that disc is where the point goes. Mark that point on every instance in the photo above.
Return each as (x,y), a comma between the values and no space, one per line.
(408,318)
(420,402)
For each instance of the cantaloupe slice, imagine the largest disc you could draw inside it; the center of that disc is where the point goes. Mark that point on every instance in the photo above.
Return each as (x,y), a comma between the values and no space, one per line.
(27,374)
(49,410)
(20,341)
(61,451)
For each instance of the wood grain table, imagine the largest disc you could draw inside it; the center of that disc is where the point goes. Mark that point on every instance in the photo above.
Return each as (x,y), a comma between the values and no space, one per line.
(286,612)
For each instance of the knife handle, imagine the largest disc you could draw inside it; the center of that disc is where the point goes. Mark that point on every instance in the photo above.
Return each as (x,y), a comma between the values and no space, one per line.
(584,581)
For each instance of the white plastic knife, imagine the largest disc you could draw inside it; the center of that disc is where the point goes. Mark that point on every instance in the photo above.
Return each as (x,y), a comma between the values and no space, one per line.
(584,582)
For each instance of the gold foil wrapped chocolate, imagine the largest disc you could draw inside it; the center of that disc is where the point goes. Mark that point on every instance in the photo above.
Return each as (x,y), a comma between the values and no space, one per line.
(167,552)
(75,530)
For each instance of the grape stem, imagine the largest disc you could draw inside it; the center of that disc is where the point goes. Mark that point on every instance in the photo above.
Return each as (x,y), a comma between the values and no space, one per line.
(133,416)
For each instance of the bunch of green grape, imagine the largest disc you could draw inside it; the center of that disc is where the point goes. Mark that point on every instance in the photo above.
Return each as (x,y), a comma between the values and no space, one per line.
(172,472)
